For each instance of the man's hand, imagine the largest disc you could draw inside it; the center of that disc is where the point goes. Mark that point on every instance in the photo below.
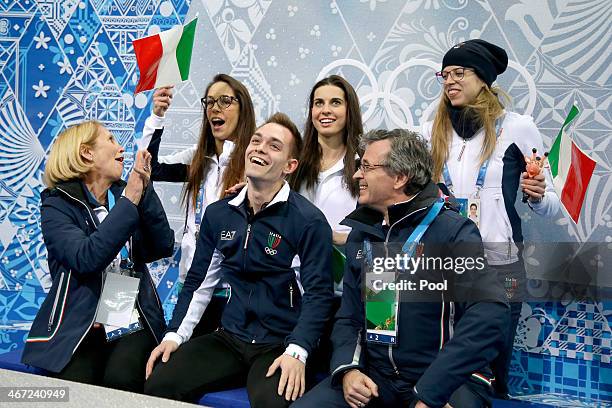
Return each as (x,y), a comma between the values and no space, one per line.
(534,187)
(293,376)
(235,188)
(358,388)
(164,349)
(162,97)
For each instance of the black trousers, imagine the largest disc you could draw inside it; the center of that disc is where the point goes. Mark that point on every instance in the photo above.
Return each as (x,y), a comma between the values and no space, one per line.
(216,362)
(393,392)
(211,319)
(119,364)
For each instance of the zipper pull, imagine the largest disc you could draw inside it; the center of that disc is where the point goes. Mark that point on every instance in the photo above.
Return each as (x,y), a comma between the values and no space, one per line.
(462,150)
(246,240)
(291,295)
(509,247)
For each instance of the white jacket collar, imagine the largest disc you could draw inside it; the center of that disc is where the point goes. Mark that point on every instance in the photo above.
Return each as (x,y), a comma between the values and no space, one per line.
(281,196)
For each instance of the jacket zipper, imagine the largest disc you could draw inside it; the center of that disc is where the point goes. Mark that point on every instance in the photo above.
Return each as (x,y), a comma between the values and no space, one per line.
(509,247)
(393,361)
(57,295)
(291,295)
(246,244)
(451,321)
(462,150)
(246,239)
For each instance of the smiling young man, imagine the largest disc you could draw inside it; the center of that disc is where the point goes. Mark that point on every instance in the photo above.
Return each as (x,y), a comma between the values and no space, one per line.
(274,316)
(436,352)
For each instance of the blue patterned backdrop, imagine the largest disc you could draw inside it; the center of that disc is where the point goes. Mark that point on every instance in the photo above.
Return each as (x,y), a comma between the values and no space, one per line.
(64,61)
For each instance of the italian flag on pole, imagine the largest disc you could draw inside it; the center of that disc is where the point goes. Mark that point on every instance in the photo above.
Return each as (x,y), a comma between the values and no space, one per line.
(571,169)
(164,58)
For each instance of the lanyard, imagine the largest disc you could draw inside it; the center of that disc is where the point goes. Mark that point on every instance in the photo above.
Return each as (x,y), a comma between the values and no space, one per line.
(413,240)
(111,203)
(199,210)
(482,173)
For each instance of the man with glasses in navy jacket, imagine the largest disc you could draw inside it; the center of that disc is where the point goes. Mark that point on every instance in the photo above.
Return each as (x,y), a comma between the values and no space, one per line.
(437,348)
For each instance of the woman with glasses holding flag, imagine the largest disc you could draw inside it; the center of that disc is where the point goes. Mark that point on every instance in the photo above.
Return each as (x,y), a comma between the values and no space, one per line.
(479,151)
(208,168)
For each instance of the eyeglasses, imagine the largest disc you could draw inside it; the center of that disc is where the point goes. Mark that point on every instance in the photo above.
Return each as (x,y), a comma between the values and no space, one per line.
(224,101)
(368,167)
(456,74)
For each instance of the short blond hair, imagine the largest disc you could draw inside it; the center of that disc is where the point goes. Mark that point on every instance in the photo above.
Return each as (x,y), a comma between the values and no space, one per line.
(65,161)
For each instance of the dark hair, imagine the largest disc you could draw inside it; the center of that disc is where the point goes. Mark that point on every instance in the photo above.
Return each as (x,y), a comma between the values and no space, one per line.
(473,205)
(234,173)
(408,156)
(310,159)
(283,120)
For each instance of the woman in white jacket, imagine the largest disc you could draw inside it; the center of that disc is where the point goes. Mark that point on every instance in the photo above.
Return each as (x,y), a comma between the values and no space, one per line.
(329,158)
(479,151)
(208,168)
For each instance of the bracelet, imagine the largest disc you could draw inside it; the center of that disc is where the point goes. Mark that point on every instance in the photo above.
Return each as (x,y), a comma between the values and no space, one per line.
(297,356)
(538,201)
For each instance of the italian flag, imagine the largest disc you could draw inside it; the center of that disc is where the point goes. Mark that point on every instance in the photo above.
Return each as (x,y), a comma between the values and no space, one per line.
(571,169)
(164,58)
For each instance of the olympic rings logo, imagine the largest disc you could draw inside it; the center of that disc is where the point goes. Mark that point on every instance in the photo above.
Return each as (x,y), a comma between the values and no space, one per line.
(270,251)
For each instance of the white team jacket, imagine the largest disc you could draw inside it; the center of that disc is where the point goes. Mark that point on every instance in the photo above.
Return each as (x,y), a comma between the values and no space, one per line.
(500,224)
(212,185)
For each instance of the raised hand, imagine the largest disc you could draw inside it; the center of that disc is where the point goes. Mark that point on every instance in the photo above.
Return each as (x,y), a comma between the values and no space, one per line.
(139,177)
(162,98)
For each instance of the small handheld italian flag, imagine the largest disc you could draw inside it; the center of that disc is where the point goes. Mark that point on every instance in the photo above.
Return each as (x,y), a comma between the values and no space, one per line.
(571,169)
(164,58)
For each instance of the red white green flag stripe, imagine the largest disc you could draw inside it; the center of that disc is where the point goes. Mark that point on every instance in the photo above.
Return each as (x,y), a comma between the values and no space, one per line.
(571,169)
(164,58)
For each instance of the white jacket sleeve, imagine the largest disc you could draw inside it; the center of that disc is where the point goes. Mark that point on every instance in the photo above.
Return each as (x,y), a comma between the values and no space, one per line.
(531,137)
(153,123)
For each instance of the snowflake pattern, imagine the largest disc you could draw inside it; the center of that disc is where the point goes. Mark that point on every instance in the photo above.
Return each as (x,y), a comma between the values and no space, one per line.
(41,89)
(68,78)
(42,40)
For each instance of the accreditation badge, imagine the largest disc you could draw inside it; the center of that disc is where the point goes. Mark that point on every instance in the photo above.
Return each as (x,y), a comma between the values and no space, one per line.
(463,204)
(116,332)
(470,208)
(473,210)
(381,316)
(117,301)
(381,303)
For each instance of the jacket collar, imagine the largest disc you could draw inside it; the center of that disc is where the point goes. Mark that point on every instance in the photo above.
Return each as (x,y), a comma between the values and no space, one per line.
(421,200)
(370,220)
(281,196)
(76,190)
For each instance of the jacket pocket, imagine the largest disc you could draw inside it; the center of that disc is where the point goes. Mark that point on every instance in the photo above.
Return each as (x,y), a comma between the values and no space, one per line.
(56,300)
(295,296)
(498,239)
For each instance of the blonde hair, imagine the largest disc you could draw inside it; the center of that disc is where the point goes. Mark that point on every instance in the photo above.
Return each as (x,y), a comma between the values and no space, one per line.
(486,107)
(65,161)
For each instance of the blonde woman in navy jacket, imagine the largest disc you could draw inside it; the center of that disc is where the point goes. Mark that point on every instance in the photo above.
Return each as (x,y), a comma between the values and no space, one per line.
(84,236)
